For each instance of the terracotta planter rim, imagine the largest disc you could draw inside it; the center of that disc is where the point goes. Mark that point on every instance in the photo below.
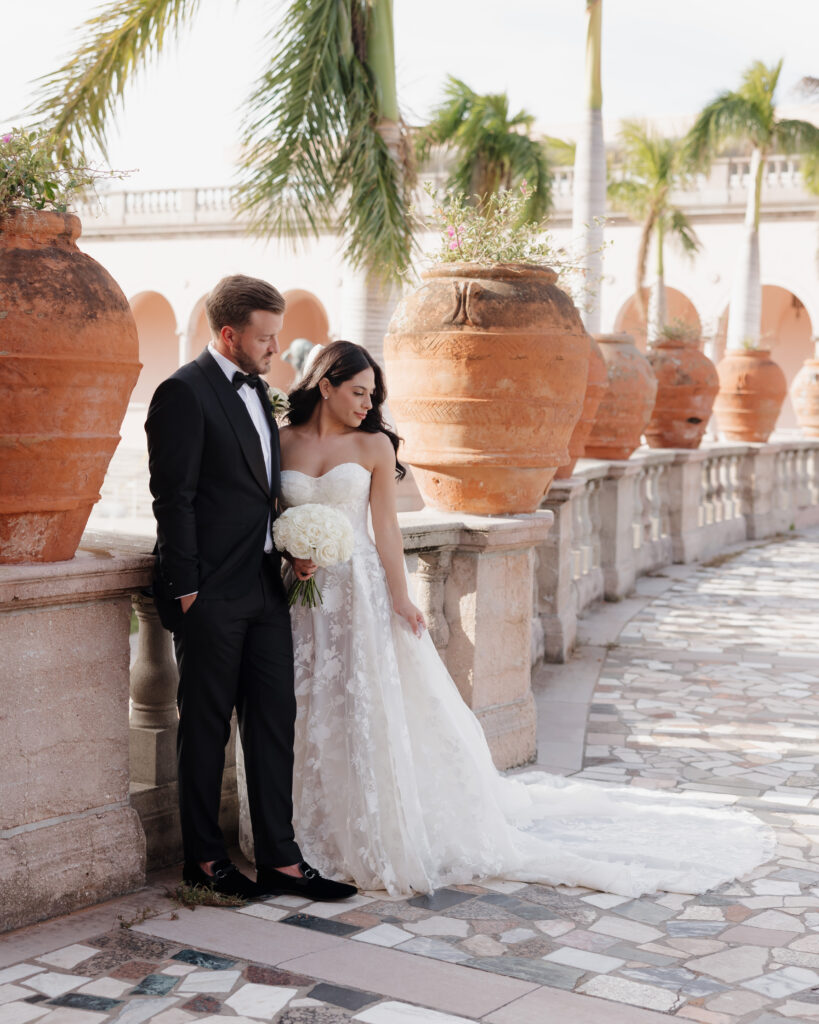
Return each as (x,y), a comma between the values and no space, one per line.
(615,337)
(675,343)
(748,351)
(41,224)
(491,270)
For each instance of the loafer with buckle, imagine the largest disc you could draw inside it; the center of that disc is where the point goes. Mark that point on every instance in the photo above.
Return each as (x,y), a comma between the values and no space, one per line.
(226,879)
(310,884)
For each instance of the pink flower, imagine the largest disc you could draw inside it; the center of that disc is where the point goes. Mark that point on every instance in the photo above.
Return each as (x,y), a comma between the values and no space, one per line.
(453,245)
(6,138)
(450,231)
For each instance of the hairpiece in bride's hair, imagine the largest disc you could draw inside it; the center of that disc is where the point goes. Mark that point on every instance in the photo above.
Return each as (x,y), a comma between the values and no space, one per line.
(340,361)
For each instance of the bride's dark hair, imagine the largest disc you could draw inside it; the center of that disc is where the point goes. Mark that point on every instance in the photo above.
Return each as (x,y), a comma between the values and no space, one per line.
(340,361)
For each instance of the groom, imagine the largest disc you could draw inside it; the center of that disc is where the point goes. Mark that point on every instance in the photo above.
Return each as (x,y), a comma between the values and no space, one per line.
(213,449)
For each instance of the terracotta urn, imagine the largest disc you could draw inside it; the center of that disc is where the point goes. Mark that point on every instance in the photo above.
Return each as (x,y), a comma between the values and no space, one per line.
(752,389)
(805,397)
(596,385)
(68,363)
(487,369)
(687,384)
(626,407)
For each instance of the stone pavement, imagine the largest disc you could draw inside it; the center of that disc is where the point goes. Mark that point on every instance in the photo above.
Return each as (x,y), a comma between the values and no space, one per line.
(707,680)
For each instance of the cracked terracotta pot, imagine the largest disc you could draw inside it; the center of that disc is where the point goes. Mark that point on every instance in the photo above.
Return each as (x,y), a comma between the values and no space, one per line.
(687,384)
(487,371)
(596,385)
(752,388)
(69,360)
(628,402)
(805,397)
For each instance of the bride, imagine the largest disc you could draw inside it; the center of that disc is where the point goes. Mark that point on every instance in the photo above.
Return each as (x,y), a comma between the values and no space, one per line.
(394,783)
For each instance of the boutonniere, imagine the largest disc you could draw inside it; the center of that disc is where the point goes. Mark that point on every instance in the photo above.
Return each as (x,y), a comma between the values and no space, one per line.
(279,403)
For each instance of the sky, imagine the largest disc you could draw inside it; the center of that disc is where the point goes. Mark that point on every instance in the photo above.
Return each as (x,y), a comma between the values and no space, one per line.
(179,125)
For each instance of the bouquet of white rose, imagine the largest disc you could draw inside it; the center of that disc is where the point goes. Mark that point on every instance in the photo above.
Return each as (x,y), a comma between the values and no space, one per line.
(317,532)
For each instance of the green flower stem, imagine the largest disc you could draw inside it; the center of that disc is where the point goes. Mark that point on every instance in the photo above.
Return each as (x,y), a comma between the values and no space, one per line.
(308,591)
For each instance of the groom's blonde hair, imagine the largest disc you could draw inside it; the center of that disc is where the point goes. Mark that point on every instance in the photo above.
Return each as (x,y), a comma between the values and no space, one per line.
(235,298)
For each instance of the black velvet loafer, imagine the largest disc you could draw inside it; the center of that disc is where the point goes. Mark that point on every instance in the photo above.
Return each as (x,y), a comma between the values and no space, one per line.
(226,879)
(311,885)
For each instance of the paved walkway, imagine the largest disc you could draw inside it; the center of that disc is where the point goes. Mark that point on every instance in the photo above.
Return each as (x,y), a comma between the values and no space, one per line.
(706,680)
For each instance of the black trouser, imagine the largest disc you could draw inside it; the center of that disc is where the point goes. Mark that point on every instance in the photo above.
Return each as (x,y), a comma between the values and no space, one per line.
(237,653)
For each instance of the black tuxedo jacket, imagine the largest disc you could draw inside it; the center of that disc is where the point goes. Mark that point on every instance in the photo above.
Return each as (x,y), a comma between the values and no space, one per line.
(211,496)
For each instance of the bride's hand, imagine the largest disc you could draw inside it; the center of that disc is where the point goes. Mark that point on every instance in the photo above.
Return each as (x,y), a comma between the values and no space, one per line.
(411,615)
(303,568)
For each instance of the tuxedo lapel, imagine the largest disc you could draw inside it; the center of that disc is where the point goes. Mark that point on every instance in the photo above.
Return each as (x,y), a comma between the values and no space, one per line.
(239,419)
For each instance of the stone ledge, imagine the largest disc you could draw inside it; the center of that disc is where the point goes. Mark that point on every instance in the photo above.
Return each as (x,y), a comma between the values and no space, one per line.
(106,565)
(429,529)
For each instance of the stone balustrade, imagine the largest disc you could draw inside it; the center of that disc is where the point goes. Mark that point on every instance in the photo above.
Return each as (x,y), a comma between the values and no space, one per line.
(617,520)
(499,594)
(725,186)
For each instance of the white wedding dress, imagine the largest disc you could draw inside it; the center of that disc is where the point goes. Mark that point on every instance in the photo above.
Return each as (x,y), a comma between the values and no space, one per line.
(394,784)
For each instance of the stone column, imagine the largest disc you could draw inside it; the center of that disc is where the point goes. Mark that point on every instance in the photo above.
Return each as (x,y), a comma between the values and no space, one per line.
(555,599)
(68,835)
(154,718)
(759,490)
(617,529)
(488,609)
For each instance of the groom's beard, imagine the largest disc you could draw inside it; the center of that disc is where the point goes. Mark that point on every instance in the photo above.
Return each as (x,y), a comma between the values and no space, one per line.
(248,364)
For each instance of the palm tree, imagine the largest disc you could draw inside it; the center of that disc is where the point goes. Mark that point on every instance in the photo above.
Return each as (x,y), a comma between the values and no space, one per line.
(748,116)
(652,168)
(494,150)
(324,144)
(589,207)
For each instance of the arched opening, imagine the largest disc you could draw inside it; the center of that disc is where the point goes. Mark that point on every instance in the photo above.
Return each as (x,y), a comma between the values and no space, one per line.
(631,317)
(158,344)
(787,331)
(305,317)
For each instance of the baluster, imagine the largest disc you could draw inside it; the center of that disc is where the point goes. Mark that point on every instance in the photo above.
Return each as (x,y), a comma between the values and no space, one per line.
(154,681)
(431,572)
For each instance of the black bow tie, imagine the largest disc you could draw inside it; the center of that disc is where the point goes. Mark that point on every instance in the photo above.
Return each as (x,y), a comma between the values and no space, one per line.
(253,380)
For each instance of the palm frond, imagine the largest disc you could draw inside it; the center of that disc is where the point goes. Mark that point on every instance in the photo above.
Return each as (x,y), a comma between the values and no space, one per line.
(730,117)
(494,149)
(77,102)
(794,136)
(446,117)
(809,168)
(632,197)
(559,152)
(682,231)
(314,150)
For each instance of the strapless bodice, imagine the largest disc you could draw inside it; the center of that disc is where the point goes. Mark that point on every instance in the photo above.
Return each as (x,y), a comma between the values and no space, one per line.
(345,487)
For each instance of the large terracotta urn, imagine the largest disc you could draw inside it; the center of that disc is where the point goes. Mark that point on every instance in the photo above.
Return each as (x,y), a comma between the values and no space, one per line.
(687,384)
(805,397)
(596,384)
(69,360)
(487,371)
(627,405)
(752,388)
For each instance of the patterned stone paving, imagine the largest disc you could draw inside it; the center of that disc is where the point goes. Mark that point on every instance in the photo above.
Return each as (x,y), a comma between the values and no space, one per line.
(714,688)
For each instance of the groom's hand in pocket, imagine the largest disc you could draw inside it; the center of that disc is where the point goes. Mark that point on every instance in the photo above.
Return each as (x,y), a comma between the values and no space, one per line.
(186,601)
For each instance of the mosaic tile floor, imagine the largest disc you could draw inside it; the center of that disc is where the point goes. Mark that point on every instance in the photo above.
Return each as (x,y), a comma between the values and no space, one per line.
(712,687)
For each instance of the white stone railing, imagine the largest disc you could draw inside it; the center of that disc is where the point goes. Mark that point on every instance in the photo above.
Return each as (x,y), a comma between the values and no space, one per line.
(213,208)
(615,521)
